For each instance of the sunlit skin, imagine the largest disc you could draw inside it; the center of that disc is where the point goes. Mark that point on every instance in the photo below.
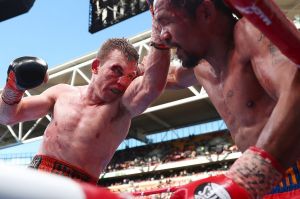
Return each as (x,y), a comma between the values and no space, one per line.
(92,114)
(253,86)
(89,122)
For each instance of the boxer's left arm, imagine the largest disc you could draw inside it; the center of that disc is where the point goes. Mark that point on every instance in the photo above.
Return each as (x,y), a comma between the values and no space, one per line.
(280,78)
(280,136)
(146,88)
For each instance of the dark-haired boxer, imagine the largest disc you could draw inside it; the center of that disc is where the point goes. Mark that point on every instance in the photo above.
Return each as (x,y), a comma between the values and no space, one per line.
(88,122)
(254,87)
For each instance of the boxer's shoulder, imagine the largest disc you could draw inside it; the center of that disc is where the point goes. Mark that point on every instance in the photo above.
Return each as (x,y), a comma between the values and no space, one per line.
(248,40)
(60,90)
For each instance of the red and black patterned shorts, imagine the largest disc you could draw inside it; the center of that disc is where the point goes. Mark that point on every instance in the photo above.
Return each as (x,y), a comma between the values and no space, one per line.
(52,165)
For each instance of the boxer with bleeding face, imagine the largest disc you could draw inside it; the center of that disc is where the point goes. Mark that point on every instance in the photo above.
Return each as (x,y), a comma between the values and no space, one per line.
(89,122)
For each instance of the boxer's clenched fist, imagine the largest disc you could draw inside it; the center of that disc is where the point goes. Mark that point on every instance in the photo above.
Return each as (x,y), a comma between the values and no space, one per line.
(22,74)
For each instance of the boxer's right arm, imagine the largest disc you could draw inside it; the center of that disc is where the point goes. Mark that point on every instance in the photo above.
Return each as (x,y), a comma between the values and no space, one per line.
(180,77)
(29,108)
(24,73)
(252,176)
(146,88)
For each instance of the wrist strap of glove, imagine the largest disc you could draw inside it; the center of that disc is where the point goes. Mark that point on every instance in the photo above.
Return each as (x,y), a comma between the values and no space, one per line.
(159,46)
(11,94)
(256,171)
(267,157)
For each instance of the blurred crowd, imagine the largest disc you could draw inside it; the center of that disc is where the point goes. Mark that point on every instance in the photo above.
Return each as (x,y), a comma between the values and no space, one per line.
(163,182)
(208,145)
(164,152)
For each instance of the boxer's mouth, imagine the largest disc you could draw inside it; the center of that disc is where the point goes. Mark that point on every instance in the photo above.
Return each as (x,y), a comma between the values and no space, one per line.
(116,91)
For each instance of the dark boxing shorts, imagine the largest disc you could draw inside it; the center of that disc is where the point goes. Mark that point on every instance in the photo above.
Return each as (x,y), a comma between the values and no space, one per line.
(289,187)
(52,165)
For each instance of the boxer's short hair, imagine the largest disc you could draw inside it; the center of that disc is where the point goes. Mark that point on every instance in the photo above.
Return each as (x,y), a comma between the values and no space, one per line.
(190,6)
(121,44)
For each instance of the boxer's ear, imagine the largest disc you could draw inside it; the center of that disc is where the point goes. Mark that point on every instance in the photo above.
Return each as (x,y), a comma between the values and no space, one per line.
(95,65)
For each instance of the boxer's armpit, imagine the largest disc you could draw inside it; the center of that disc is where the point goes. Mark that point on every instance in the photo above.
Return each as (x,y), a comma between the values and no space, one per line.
(276,55)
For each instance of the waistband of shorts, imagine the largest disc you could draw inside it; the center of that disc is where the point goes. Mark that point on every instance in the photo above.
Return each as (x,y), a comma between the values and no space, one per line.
(290,181)
(53,165)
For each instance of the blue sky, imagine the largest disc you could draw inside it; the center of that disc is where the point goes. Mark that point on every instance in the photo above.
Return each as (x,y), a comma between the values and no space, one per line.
(28,148)
(57,31)
(32,147)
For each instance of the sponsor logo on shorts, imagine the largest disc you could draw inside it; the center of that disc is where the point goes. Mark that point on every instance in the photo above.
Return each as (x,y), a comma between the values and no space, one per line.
(35,163)
(211,191)
(62,169)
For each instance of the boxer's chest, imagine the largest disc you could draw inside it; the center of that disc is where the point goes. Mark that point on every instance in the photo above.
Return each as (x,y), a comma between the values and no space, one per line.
(94,121)
(238,97)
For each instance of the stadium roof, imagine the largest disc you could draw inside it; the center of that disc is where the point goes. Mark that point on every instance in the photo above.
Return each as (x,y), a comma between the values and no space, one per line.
(172,109)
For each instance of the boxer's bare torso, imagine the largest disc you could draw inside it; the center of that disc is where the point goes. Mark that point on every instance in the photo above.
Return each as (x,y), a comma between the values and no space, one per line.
(85,135)
(89,122)
(246,89)
(240,100)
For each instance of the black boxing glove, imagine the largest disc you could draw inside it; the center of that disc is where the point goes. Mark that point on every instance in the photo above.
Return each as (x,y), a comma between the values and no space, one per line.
(22,74)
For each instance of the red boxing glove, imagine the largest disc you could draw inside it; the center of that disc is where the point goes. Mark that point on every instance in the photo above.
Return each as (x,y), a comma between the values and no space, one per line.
(94,192)
(216,187)
(23,73)
(252,176)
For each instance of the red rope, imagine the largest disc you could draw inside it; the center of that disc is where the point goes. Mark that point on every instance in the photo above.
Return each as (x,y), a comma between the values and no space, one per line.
(156,191)
(269,19)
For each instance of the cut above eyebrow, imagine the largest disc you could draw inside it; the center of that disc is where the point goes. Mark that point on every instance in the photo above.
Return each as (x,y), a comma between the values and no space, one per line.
(117,66)
(165,17)
(118,69)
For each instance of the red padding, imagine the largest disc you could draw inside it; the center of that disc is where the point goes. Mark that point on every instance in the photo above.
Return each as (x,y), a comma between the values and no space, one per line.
(269,19)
